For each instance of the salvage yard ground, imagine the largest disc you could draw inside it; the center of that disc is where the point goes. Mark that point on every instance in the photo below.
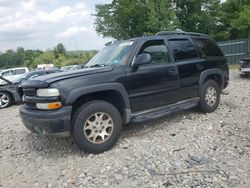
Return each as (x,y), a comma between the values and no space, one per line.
(187,149)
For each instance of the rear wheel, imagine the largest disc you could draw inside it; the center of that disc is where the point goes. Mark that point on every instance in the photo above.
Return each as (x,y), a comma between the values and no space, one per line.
(5,100)
(210,96)
(97,126)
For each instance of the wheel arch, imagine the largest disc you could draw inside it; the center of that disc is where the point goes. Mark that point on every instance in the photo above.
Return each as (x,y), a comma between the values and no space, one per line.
(214,74)
(113,93)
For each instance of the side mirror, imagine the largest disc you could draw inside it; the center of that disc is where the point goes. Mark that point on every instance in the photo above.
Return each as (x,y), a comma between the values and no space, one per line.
(1,75)
(141,59)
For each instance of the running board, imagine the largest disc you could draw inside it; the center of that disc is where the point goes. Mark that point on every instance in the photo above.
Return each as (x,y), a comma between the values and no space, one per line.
(163,111)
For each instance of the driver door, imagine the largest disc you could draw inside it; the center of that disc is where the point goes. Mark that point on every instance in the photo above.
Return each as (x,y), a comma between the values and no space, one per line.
(155,84)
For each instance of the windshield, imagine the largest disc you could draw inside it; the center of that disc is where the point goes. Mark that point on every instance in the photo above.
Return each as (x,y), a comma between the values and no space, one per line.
(19,78)
(111,55)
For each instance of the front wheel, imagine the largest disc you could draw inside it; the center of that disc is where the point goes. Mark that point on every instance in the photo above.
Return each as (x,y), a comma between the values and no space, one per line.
(97,126)
(5,100)
(210,96)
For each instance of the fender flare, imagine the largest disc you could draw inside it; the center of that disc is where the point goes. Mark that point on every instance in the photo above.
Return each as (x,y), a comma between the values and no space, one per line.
(78,92)
(207,73)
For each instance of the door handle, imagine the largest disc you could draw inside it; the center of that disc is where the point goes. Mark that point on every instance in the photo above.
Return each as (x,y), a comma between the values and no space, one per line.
(172,71)
(200,66)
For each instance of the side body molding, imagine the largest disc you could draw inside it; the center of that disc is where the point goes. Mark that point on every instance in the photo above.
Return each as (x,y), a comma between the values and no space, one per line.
(206,73)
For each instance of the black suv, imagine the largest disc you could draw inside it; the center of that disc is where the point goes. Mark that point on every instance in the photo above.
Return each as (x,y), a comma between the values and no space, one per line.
(130,81)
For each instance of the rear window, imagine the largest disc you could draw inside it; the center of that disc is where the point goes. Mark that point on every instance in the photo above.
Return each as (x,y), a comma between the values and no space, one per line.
(19,71)
(182,49)
(208,47)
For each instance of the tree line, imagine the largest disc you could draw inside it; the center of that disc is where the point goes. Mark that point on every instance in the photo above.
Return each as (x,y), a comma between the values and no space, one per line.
(123,19)
(31,58)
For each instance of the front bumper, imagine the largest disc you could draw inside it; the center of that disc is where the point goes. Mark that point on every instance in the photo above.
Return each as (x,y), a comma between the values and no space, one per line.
(245,71)
(55,123)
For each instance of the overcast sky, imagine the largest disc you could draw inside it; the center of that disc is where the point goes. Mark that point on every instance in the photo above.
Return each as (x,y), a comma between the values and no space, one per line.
(42,24)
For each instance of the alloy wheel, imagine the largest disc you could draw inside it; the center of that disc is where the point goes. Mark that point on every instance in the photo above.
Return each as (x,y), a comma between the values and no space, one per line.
(98,128)
(4,100)
(211,96)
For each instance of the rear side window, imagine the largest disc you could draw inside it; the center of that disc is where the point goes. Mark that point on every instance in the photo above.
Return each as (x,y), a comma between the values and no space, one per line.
(208,47)
(183,49)
(19,71)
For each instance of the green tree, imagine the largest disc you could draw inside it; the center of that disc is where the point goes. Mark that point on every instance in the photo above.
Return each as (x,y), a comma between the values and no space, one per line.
(59,49)
(242,22)
(198,16)
(124,19)
(45,58)
(59,61)
(121,19)
(230,11)
(161,16)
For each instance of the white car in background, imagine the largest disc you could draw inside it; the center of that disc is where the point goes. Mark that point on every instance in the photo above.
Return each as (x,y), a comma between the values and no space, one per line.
(13,73)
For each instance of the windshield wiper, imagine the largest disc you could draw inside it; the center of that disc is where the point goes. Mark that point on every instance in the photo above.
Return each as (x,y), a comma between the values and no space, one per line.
(95,65)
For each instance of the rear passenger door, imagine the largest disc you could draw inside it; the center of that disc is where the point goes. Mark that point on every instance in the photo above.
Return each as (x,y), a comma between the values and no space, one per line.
(189,64)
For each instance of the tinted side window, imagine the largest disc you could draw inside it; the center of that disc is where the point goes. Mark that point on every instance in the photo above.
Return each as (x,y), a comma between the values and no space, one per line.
(158,51)
(208,47)
(19,71)
(182,49)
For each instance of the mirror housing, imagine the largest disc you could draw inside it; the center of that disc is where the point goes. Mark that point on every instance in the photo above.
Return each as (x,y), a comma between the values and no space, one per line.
(1,75)
(141,59)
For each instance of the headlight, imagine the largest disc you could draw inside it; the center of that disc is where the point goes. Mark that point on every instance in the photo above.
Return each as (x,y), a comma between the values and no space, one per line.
(48,92)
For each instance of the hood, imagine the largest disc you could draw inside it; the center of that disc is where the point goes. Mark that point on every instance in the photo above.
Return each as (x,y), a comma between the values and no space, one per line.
(3,81)
(44,81)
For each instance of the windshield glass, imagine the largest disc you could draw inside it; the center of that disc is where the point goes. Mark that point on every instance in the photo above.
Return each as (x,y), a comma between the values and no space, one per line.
(19,78)
(111,55)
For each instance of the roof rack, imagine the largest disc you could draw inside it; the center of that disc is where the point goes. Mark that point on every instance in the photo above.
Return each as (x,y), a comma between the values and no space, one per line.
(163,33)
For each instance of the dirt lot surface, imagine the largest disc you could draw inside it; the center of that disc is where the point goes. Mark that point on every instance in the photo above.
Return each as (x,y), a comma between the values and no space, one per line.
(187,149)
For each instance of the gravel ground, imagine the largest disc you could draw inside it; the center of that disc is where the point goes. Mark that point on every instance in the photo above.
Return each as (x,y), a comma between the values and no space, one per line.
(187,149)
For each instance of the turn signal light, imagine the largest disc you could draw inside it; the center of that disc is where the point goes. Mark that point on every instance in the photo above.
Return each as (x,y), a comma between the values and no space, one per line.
(49,106)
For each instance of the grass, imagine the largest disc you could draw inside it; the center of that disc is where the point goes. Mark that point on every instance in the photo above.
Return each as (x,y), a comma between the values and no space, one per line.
(234,67)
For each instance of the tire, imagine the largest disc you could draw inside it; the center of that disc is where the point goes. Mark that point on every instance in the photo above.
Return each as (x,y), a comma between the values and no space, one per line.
(5,99)
(97,126)
(210,97)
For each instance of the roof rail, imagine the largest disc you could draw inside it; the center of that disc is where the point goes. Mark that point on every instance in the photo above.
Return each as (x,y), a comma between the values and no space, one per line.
(163,33)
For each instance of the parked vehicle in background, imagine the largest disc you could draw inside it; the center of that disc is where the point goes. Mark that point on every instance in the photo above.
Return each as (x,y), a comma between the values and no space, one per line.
(130,81)
(81,66)
(11,74)
(10,92)
(68,68)
(245,67)
(45,67)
